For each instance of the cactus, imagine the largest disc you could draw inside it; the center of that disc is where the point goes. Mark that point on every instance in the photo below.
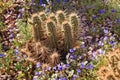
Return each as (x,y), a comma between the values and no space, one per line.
(58,34)
(75,24)
(53,17)
(60,17)
(38,31)
(54,58)
(61,36)
(67,36)
(52,33)
(42,16)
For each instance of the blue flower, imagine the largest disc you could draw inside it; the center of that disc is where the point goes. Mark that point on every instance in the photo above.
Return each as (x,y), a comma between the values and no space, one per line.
(63,78)
(49,68)
(102,11)
(74,76)
(78,70)
(57,78)
(47,10)
(113,10)
(41,2)
(105,38)
(117,21)
(111,42)
(82,46)
(59,67)
(82,65)
(101,51)
(35,77)
(36,73)
(19,16)
(94,54)
(16,51)
(11,35)
(2,55)
(90,66)
(67,65)
(67,56)
(21,10)
(73,56)
(72,50)
(38,65)
(66,0)
(105,31)
(94,17)
(100,43)
(58,1)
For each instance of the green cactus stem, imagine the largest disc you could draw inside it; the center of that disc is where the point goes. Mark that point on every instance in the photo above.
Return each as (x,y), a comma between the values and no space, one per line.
(67,36)
(53,17)
(75,24)
(38,31)
(60,16)
(42,16)
(52,34)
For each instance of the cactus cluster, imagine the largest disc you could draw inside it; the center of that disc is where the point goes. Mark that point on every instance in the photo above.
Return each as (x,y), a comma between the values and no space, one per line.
(57,32)
(60,29)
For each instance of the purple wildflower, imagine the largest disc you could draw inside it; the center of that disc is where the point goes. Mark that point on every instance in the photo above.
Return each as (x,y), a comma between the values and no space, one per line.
(2,55)
(16,51)
(101,51)
(117,21)
(94,17)
(35,77)
(59,67)
(21,10)
(82,65)
(68,55)
(102,11)
(41,2)
(38,65)
(74,76)
(90,66)
(57,78)
(82,46)
(72,50)
(94,54)
(100,43)
(36,73)
(66,0)
(111,42)
(11,35)
(105,31)
(78,70)
(113,10)
(63,78)
(73,56)
(102,0)
(58,1)
(105,38)
(19,16)
(47,10)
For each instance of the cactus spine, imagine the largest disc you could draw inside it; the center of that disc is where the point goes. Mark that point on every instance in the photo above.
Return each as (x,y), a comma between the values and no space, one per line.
(53,17)
(52,34)
(38,31)
(61,35)
(67,35)
(42,16)
(60,16)
(75,24)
